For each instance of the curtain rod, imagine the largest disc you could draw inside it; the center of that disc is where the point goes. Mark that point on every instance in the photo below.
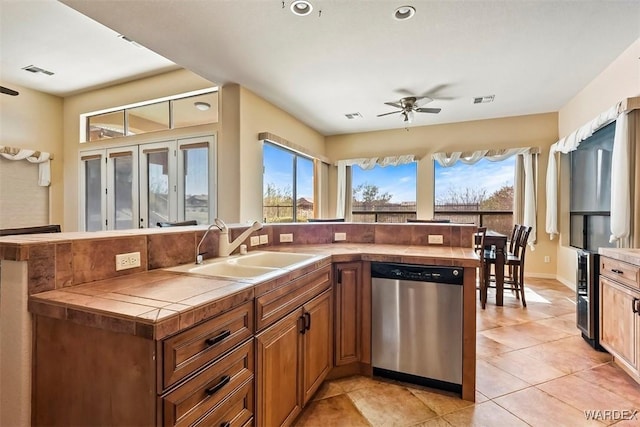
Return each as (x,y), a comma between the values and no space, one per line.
(13,151)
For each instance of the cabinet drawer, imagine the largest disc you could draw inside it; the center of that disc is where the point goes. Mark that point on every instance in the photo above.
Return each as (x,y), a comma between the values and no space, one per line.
(236,410)
(189,350)
(274,305)
(202,393)
(627,274)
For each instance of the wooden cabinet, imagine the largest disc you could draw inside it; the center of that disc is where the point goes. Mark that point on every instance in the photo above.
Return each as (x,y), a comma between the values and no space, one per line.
(293,356)
(620,313)
(87,375)
(352,313)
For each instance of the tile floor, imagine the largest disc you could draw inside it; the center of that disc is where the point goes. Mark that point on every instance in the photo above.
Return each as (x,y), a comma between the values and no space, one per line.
(533,368)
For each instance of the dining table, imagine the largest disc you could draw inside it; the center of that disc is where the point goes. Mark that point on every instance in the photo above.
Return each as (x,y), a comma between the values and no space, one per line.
(499,240)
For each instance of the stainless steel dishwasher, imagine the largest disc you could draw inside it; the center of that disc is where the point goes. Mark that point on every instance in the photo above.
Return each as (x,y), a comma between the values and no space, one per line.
(417,324)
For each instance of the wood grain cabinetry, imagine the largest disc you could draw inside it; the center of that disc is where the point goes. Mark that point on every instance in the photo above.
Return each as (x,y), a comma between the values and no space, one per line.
(89,376)
(620,313)
(352,313)
(293,356)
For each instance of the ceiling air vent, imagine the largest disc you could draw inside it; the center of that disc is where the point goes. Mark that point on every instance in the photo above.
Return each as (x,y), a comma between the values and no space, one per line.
(34,69)
(483,99)
(352,116)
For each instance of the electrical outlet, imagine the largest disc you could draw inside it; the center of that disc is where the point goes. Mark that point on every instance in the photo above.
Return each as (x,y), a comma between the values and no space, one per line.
(547,259)
(339,237)
(436,239)
(264,239)
(286,238)
(255,240)
(126,261)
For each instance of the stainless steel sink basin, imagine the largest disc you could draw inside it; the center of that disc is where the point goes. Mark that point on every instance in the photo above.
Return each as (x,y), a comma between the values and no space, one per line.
(252,265)
(271,259)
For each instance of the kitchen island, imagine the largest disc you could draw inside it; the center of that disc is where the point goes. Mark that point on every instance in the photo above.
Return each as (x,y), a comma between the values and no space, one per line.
(142,327)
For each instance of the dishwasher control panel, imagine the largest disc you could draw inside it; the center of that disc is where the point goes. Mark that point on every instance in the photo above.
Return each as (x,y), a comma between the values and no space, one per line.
(418,273)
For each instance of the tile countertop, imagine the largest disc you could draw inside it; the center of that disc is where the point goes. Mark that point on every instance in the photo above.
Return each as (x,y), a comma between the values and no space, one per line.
(158,303)
(632,256)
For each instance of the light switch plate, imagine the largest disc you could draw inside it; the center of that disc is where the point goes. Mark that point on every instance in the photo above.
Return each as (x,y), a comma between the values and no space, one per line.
(128,260)
(286,238)
(255,240)
(339,237)
(435,239)
(264,239)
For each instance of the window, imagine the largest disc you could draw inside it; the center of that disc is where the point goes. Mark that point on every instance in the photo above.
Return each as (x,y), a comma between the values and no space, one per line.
(141,185)
(384,194)
(288,177)
(174,112)
(480,193)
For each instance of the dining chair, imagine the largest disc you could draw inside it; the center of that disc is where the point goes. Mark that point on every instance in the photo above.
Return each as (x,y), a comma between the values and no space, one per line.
(177,224)
(514,278)
(482,273)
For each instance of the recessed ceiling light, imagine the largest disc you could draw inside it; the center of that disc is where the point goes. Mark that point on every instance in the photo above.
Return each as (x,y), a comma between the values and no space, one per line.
(404,12)
(202,106)
(301,7)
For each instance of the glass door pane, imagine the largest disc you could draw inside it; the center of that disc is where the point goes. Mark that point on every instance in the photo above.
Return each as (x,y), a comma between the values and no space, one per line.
(122,194)
(158,183)
(93,194)
(195,194)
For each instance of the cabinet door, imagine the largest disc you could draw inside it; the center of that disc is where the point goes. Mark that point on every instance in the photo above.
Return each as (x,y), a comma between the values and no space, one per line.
(317,339)
(348,290)
(618,326)
(278,361)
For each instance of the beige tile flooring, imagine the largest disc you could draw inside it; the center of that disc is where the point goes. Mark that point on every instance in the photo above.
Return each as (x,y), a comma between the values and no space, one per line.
(533,368)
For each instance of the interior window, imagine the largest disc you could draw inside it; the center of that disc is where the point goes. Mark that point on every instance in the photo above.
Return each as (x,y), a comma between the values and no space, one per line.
(287,185)
(481,193)
(384,194)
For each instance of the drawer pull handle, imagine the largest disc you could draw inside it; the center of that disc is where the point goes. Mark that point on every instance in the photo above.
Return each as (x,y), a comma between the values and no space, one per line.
(617,271)
(307,321)
(635,306)
(215,340)
(223,381)
(225,424)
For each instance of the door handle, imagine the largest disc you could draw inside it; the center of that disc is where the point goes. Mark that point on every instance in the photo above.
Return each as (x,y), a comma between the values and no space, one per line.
(635,306)
(307,321)
(303,322)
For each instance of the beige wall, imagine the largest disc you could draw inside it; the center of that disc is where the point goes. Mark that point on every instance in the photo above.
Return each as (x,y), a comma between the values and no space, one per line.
(33,120)
(620,80)
(258,115)
(167,84)
(538,130)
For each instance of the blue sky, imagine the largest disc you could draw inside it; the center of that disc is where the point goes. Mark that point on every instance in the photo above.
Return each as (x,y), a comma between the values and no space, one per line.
(399,181)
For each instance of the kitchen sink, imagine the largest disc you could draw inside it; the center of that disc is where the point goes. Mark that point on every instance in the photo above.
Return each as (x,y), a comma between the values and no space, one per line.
(252,265)
(271,259)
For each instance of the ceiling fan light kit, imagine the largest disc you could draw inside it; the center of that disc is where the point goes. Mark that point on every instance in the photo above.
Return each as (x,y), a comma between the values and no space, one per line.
(408,106)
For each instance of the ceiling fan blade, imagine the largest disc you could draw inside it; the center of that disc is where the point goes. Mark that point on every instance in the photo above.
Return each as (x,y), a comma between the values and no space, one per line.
(393,104)
(386,114)
(8,91)
(428,110)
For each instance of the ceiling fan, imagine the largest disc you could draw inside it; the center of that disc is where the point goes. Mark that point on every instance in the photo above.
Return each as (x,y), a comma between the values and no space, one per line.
(409,105)
(7,91)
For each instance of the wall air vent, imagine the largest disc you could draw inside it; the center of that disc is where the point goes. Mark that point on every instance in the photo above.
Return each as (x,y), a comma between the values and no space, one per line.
(483,99)
(34,69)
(352,116)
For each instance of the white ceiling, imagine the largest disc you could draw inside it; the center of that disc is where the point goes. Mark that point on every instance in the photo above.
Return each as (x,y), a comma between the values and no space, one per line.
(533,56)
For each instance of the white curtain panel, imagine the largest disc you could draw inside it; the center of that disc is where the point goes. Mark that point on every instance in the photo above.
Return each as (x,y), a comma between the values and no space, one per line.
(566,145)
(620,182)
(43,161)
(529,215)
(366,164)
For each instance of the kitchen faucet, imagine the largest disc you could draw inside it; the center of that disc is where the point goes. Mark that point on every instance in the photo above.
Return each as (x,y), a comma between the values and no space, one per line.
(224,246)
